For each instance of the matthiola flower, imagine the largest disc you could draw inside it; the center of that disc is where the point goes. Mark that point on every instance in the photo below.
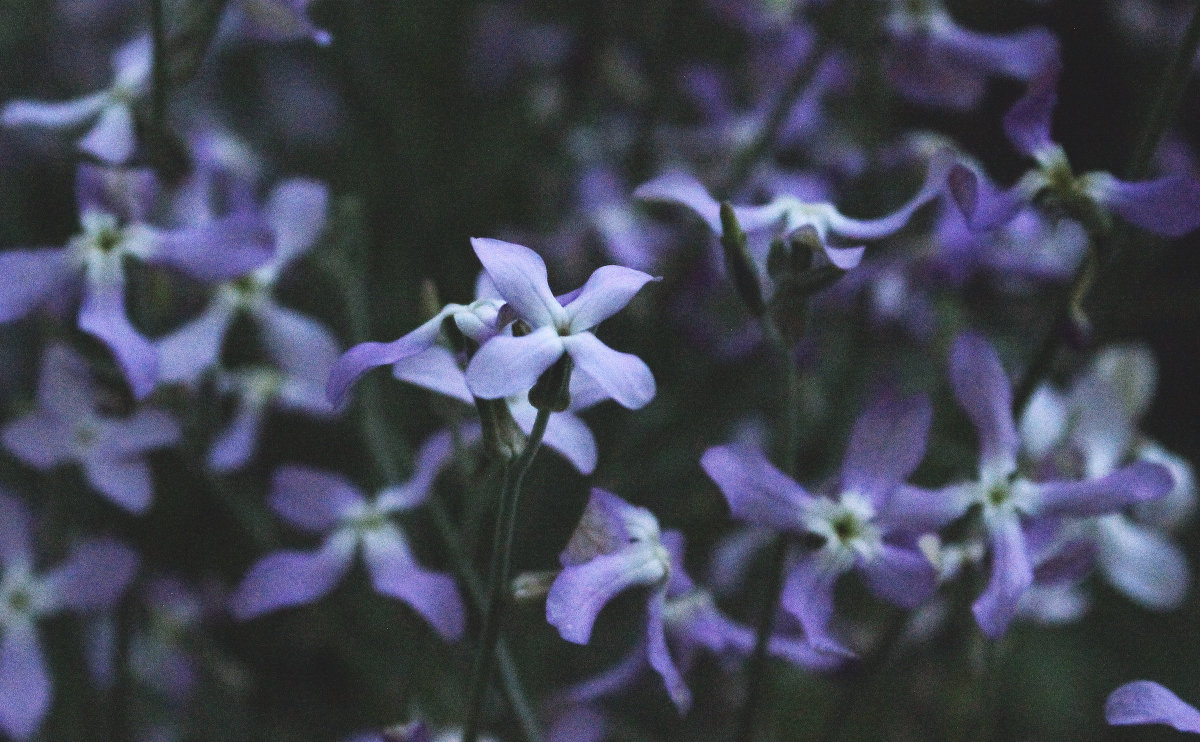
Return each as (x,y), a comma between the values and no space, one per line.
(1011,504)
(295,213)
(933,60)
(691,622)
(786,214)
(1168,206)
(475,321)
(93,576)
(111,135)
(113,205)
(1147,702)
(862,527)
(1092,430)
(324,503)
(510,364)
(256,390)
(69,426)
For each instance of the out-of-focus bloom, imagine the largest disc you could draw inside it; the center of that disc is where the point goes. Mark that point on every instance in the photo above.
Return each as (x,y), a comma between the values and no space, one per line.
(68,426)
(1147,702)
(324,503)
(860,527)
(933,60)
(111,136)
(1168,206)
(1011,504)
(113,205)
(92,577)
(510,364)
(295,213)
(275,21)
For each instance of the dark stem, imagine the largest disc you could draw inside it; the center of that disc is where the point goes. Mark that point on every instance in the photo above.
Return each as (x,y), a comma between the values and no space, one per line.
(757,666)
(1166,100)
(158,94)
(864,677)
(499,574)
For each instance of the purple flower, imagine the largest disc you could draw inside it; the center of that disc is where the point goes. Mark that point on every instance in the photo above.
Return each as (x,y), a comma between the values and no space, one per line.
(320,502)
(68,426)
(93,576)
(1011,504)
(109,113)
(786,214)
(858,525)
(276,21)
(1147,702)
(1168,206)
(506,365)
(934,60)
(113,205)
(476,321)
(295,213)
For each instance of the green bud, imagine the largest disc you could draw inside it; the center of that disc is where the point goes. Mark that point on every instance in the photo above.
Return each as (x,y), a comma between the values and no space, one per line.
(502,438)
(553,388)
(739,263)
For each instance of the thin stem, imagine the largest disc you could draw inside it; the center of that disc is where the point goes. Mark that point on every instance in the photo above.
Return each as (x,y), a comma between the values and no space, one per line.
(1166,101)
(510,494)
(158,94)
(765,626)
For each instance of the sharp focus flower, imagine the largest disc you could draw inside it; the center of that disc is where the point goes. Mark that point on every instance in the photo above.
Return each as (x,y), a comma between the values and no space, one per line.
(1147,702)
(507,365)
(113,205)
(320,502)
(111,136)
(859,526)
(93,576)
(1012,504)
(1168,206)
(68,426)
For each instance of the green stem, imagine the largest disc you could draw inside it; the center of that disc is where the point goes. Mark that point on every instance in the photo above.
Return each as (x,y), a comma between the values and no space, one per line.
(765,627)
(498,573)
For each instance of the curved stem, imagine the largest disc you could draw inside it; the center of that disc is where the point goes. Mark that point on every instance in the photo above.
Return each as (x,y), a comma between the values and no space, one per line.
(499,573)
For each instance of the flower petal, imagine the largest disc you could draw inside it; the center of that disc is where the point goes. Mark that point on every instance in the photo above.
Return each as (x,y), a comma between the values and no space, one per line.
(311,499)
(886,445)
(296,212)
(568,435)
(112,138)
(366,356)
(918,510)
(300,345)
(625,377)
(40,439)
(940,165)
(31,277)
(1168,206)
(756,491)
(25,683)
(395,573)
(436,452)
(1142,563)
(125,481)
(185,354)
(606,292)
(1129,485)
(1012,574)
(103,315)
(220,250)
(985,206)
(56,114)
(609,524)
(1027,124)
(289,578)
(437,370)
(235,445)
(519,274)
(808,595)
(660,655)
(94,575)
(984,392)
(1147,702)
(506,365)
(683,189)
(581,590)
(900,576)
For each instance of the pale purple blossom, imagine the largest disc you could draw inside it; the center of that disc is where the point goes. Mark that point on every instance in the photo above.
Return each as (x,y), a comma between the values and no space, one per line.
(510,364)
(325,503)
(70,426)
(1147,702)
(92,577)
(108,114)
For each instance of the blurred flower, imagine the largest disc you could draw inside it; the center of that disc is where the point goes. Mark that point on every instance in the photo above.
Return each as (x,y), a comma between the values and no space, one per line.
(93,576)
(69,426)
(1147,702)
(320,502)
